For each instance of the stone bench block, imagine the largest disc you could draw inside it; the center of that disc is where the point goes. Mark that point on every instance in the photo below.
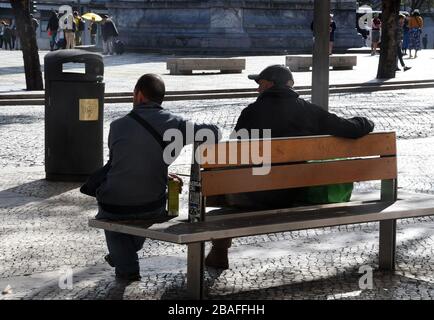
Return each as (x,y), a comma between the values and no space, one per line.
(304,62)
(187,65)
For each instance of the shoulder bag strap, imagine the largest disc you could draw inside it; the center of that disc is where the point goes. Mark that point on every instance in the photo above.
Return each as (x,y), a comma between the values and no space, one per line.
(149,128)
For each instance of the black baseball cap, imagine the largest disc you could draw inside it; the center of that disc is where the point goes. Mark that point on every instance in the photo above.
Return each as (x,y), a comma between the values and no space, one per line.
(279,74)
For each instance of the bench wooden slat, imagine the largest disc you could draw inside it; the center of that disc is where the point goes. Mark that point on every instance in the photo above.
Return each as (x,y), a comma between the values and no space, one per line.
(295,149)
(334,215)
(298,175)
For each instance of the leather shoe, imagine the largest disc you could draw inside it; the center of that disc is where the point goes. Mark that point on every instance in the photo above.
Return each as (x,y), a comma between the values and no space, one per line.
(109,260)
(128,277)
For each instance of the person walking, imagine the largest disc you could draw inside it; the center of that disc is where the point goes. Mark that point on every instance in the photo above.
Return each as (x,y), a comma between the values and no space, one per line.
(405,31)
(35,23)
(2,31)
(14,36)
(415,24)
(93,30)
(79,28)
(52,29)
(332,30)
(399,38)
(68,29)
(109,32)
(7,36)
(375,34)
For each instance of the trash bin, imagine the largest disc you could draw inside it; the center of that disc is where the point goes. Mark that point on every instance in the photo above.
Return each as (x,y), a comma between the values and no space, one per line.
(74,100)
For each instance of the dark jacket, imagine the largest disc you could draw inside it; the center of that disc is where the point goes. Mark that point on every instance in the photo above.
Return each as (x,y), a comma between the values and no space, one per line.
(7,33)
(281,110)
(53,23)
(138,173)
(109,30)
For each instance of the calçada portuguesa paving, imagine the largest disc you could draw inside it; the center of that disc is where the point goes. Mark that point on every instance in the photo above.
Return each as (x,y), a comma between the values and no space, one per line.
(43,225)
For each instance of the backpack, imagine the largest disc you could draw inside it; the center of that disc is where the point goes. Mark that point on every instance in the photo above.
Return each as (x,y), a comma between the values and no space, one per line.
(81,25)
(332,193)
(118,47)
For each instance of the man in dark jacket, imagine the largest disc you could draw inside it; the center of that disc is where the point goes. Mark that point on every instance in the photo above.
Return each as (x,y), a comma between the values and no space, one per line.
(7,36)
(280,109)
(135,185)
(109,32)
(52,28)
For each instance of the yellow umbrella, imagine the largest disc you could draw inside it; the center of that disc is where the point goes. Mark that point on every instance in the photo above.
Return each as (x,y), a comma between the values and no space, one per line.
(91,15)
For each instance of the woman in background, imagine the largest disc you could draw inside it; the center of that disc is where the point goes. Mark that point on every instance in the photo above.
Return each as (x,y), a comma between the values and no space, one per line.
(376,33)
(415,24)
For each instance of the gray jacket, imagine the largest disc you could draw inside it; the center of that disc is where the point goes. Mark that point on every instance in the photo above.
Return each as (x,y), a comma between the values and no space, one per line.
(138,172)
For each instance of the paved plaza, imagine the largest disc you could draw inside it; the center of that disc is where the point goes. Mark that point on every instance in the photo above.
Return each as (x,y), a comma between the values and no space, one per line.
(43,225)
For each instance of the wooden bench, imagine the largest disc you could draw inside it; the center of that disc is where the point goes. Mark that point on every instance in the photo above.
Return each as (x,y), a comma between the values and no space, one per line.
(185,66)
(304,62)
(372,157)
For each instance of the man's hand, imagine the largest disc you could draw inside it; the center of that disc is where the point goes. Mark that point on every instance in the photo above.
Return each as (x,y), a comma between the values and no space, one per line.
(174,177)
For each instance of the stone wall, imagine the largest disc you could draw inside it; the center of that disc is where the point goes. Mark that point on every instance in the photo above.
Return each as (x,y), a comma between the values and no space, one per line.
(231,26)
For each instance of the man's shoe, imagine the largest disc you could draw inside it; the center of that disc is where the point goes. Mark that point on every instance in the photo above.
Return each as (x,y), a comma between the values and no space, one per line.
(128,277)
(397,69)
(109,260)
(217,258)
(407,68)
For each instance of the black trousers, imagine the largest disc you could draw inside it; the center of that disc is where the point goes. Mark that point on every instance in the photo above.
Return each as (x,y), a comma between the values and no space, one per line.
(123,250)
(399,55)
(123,247)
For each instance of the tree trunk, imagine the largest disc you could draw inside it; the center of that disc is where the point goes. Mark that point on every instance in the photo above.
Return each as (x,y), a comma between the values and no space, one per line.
(29,46)
(387,64)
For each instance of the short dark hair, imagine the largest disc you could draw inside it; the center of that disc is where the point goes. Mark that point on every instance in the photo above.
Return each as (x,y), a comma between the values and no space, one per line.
(152,87)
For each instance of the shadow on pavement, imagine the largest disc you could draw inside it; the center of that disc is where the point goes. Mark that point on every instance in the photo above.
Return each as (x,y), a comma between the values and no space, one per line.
(18,119)
(13,70)
(385,286)
(27,192)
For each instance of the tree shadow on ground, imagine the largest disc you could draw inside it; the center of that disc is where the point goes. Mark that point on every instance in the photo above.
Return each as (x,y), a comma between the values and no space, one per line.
(33,191)
(18,119)
(11,70)
(344,286)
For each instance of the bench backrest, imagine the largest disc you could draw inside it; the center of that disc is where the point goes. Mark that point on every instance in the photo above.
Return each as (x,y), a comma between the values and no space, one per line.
(298,162)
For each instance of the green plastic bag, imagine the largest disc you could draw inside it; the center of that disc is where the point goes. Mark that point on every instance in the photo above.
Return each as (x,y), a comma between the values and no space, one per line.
(333,193)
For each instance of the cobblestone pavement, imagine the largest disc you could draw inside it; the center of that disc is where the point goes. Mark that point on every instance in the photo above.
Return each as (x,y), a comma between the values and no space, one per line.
(43,225)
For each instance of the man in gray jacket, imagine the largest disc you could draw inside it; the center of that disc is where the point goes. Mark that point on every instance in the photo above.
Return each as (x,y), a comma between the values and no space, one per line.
(135,185)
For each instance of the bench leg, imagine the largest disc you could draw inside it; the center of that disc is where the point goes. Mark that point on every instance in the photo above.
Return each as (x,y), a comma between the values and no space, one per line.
(195,270)
(387,245)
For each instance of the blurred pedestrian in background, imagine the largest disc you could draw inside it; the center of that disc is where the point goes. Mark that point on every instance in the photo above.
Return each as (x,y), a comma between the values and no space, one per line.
(52,28)
(415,24)
(375,34)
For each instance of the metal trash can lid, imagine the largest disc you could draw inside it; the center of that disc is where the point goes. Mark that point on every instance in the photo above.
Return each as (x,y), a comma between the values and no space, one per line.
(54,61)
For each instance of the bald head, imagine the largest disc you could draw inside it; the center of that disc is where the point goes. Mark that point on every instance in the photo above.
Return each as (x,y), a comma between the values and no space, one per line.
(150,87)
